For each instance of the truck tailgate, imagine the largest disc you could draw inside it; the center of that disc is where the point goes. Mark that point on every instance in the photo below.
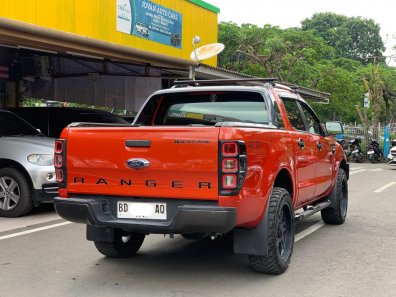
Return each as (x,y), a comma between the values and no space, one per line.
(182,162)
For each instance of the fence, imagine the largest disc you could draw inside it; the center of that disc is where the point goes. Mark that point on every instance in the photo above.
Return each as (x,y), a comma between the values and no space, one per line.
(383,135)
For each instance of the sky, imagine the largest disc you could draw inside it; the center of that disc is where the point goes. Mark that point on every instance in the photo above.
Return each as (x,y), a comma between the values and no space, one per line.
(290,13)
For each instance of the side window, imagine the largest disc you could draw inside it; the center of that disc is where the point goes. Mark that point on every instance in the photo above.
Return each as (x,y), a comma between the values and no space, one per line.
(37,118)
(294,115)
(278,117)
(312,121)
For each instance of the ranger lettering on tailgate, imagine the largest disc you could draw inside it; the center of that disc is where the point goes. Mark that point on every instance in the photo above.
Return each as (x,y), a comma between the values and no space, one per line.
(148,183)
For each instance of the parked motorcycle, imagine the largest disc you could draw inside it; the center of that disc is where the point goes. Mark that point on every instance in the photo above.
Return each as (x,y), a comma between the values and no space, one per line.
(356,152)
(392,154)
(345,147)
(374,152)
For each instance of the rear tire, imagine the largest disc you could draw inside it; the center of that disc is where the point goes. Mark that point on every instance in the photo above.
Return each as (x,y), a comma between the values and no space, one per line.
(125,244)
(336,213)
(280,235)
(15,194)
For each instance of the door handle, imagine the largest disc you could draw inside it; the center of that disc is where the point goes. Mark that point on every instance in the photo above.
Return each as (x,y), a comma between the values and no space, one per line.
(319,145)
(301,143)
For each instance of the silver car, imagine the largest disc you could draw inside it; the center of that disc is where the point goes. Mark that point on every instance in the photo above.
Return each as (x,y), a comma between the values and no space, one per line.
(27,174)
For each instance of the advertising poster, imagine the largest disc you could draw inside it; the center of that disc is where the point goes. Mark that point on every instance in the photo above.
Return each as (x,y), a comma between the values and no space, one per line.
(149,20)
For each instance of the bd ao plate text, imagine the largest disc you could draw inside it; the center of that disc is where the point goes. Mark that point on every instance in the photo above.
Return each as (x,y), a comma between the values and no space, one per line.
(141,210)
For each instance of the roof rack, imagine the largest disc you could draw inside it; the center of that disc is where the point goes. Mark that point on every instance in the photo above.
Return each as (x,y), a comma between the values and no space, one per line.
(258,81)
(320,97)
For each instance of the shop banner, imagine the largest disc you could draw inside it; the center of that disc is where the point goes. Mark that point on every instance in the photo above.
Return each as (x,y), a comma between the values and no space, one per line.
(149,20)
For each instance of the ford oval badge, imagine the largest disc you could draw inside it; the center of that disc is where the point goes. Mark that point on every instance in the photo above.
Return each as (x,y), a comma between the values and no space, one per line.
(137,163)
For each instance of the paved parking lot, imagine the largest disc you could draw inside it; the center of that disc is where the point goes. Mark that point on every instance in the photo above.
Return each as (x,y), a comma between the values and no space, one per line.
(46,256)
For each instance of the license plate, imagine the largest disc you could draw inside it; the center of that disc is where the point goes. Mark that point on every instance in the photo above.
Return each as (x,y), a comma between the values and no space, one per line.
(141,210)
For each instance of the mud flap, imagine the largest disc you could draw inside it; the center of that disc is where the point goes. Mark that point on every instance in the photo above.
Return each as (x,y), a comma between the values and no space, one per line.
(252,241)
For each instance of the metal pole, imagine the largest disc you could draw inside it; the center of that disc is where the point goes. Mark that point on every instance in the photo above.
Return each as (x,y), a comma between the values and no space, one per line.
(386,141)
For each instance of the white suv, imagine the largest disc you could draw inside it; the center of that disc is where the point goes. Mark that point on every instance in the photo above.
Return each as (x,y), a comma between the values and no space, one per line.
(27,174)
(142,29)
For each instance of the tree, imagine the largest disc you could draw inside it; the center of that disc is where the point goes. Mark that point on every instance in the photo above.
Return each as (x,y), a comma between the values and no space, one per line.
(380,82)
(230,34)
(305,58)
(388,76)
(287,54)
(352,37)
(374,86)
(248,46)
(346,90)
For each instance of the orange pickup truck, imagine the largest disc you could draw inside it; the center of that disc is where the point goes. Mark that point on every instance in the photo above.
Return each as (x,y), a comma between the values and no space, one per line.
(205,158)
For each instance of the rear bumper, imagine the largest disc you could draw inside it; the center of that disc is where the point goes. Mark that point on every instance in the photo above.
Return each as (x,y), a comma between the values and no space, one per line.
(46,193)
(392,163)
(184,216)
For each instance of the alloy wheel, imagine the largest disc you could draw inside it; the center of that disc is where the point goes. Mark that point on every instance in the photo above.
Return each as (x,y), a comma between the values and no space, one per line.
(9,193)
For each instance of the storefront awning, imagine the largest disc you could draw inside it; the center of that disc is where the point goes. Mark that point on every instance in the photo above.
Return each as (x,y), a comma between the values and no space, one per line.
(24,35)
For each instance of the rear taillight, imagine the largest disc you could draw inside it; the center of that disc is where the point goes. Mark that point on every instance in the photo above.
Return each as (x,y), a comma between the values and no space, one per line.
(59,175)
(233,164)
(229,149)
(230,165)
(229,181)
(60,162)
(58,146)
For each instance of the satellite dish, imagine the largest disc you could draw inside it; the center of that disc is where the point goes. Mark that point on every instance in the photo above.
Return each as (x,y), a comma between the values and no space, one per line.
(206,51)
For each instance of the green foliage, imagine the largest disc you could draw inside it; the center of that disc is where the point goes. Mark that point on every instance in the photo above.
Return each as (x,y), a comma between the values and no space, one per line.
(36,102)
(347,91)
(31,102)
(331,53)
(353,37)
(278,51)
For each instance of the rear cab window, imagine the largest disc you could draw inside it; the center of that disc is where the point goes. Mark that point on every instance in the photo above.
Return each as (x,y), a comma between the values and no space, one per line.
(205,108)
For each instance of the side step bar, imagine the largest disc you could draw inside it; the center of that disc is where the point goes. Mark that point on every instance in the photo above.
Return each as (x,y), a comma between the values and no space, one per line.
(311,210)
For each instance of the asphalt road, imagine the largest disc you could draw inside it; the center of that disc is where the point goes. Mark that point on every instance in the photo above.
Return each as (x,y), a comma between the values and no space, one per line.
(43,255)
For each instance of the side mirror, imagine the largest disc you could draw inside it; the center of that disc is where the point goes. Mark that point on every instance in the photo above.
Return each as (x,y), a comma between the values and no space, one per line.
(335,129)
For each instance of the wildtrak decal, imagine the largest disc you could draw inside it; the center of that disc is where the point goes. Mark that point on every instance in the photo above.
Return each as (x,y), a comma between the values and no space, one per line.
(191,141)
